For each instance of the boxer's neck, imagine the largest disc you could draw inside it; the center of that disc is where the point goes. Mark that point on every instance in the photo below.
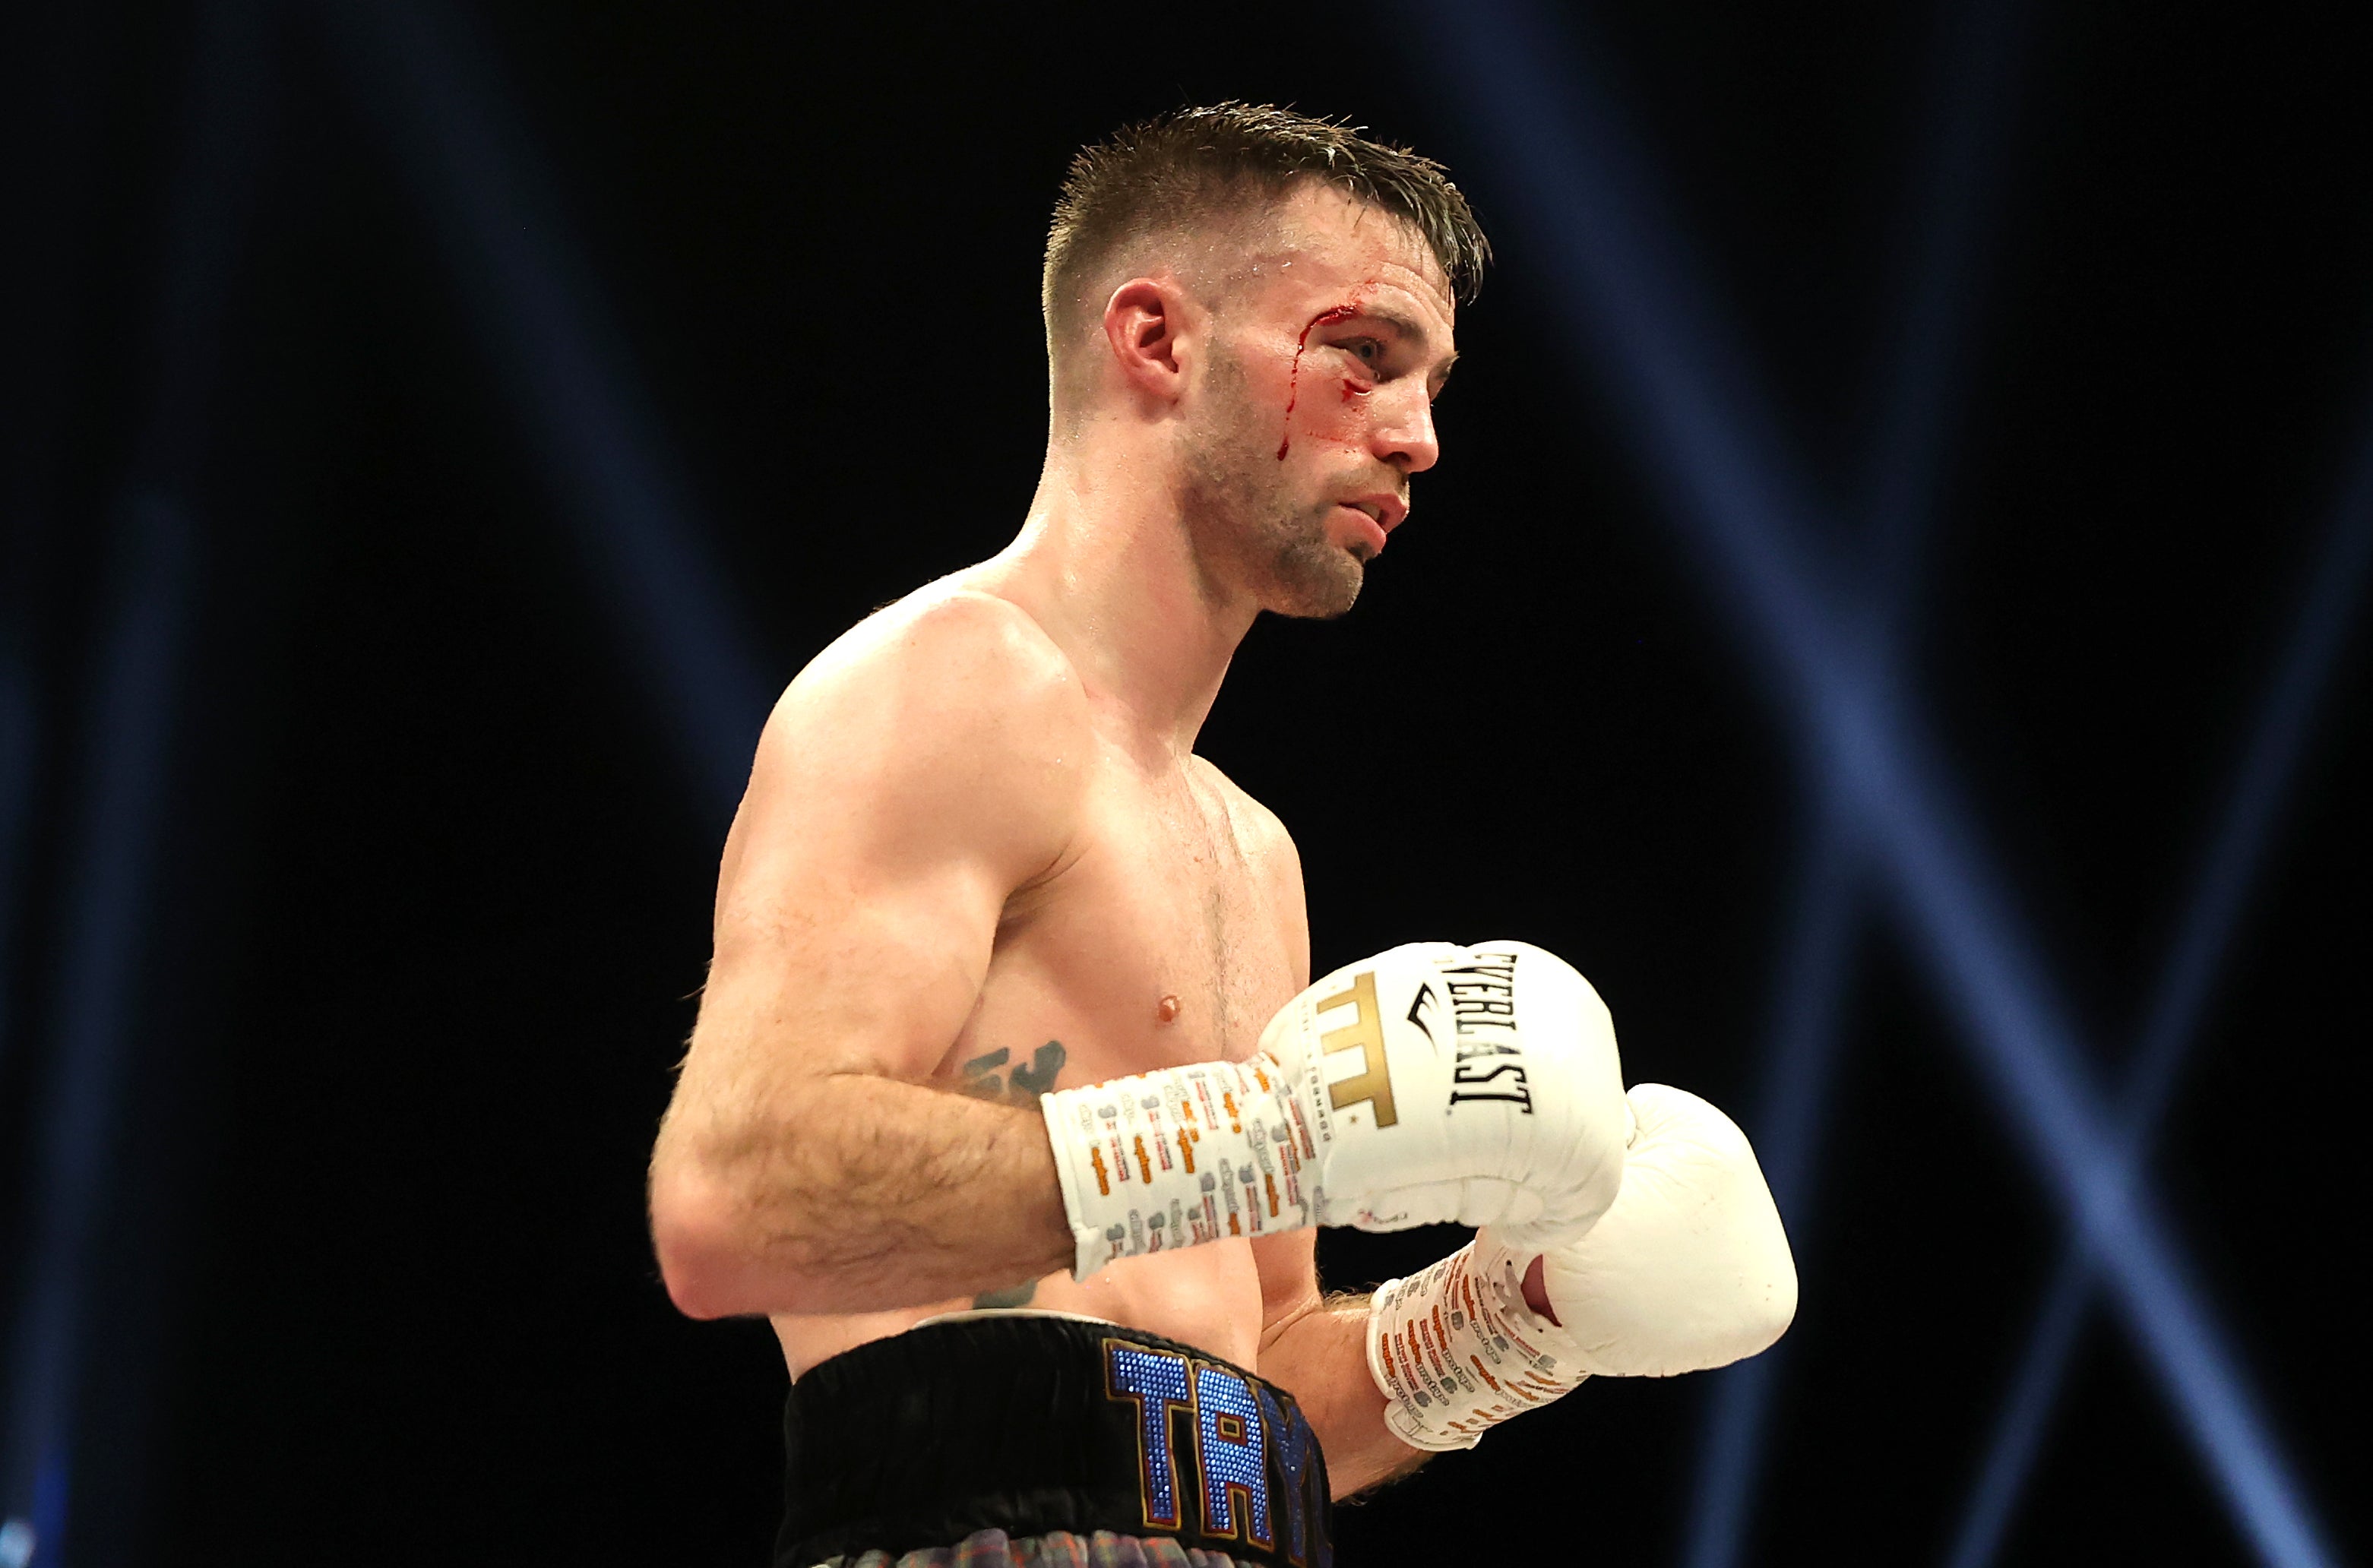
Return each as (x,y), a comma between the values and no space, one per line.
(1107,564)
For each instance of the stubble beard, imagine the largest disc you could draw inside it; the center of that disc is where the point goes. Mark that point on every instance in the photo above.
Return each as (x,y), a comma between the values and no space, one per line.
(1247,527)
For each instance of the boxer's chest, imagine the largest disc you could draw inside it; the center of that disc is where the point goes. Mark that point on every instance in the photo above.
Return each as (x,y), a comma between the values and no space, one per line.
(1159,942)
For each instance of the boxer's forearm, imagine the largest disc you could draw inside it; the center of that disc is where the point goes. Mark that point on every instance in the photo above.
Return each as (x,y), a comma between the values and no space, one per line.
(867,1194)
(1319,1355)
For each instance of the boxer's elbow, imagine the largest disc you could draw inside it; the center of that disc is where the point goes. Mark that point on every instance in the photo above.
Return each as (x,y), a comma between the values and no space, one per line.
(694,1235)
(717,1256)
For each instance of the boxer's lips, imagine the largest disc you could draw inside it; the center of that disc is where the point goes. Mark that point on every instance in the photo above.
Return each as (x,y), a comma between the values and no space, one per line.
(1366,530)
(1377,516)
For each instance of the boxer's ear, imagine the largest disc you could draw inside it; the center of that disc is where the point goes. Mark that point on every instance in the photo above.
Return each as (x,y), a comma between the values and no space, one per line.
(1146,329)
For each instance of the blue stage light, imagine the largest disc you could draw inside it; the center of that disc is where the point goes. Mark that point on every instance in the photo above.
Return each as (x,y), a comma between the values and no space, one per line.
(1950,192)
(105,939)
(1800,1054)
(1707,447)
(17,749)
(427,88)
(123,782)
(2335,584)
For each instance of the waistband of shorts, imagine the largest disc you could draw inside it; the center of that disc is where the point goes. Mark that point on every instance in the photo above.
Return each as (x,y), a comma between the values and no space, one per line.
(1034,1425)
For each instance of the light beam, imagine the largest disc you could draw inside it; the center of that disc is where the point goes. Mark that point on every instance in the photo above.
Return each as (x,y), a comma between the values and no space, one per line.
(1709,450)
(1951,189)
(426,86)
(2271,759)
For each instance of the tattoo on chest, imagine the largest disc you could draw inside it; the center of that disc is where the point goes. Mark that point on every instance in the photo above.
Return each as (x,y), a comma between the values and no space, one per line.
(996,1076)
(988,1077)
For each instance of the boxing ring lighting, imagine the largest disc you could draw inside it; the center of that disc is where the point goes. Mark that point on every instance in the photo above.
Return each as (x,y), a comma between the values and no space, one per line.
(106,933)
(1887,812)
(17,1532)
(16,762)
(19,750)
(2272,757)
(135,705)
(460,166)
(423,89)
(426,85)
(1804,1035)
(1710,453)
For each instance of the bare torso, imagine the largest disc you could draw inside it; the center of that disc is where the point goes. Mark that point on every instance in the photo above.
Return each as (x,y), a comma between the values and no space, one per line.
(1169,932)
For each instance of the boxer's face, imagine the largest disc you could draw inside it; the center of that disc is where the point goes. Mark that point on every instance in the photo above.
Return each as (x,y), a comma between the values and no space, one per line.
(1329,341)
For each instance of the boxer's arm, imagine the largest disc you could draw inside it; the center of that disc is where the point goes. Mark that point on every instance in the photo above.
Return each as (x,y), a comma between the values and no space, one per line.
(1316,1348)
(910,779)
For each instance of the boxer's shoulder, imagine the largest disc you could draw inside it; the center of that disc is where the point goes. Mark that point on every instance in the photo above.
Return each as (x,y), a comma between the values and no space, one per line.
(963,685)
(951,646)
(944,736)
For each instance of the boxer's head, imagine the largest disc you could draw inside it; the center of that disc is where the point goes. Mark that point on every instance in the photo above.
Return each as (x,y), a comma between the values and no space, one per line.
(1271,298)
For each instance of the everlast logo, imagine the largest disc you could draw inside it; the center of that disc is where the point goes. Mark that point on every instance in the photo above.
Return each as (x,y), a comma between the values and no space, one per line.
(1365,1033)
(1490,1065)
(1250,1474)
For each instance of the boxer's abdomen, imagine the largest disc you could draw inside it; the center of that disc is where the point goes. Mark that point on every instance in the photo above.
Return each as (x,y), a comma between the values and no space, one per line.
(1207,1296)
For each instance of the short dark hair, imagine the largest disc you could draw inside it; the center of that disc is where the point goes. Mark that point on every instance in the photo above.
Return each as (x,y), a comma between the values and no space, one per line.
(1195,163)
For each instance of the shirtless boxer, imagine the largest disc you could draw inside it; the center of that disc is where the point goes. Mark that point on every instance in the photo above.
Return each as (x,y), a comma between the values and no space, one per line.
(1011,1101)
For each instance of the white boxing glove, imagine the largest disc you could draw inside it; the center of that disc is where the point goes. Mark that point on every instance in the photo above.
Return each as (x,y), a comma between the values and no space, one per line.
(1483,1088)
(1430,1082)
(1688,1269)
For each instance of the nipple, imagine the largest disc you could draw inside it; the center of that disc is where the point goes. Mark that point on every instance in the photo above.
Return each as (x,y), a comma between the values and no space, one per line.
(1166,1010)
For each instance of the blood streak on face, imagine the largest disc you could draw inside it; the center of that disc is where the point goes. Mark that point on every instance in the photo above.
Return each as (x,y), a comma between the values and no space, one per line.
(1294,385)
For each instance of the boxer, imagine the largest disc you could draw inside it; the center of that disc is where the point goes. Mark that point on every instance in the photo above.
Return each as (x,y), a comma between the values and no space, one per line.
(1011,1102)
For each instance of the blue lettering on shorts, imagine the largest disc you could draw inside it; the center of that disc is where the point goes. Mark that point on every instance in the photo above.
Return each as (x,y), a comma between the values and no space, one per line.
(1295,1446)
(1232,1450)
(1256,1459)
(1157,1381)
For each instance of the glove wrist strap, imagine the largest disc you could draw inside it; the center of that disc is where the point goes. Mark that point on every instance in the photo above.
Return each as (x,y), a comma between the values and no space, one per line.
(1176,1158)
(1457,1351)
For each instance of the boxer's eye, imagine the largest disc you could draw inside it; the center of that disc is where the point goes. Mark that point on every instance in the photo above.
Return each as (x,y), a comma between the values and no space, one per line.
(1369,352)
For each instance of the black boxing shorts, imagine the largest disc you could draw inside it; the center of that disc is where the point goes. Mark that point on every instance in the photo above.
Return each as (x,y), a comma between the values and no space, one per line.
(990,1439)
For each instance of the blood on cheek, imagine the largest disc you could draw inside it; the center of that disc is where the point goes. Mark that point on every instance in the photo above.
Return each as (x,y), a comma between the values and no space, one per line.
(1294,385)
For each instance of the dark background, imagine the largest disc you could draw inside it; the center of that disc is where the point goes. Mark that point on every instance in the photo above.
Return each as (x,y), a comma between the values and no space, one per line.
(427,901)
